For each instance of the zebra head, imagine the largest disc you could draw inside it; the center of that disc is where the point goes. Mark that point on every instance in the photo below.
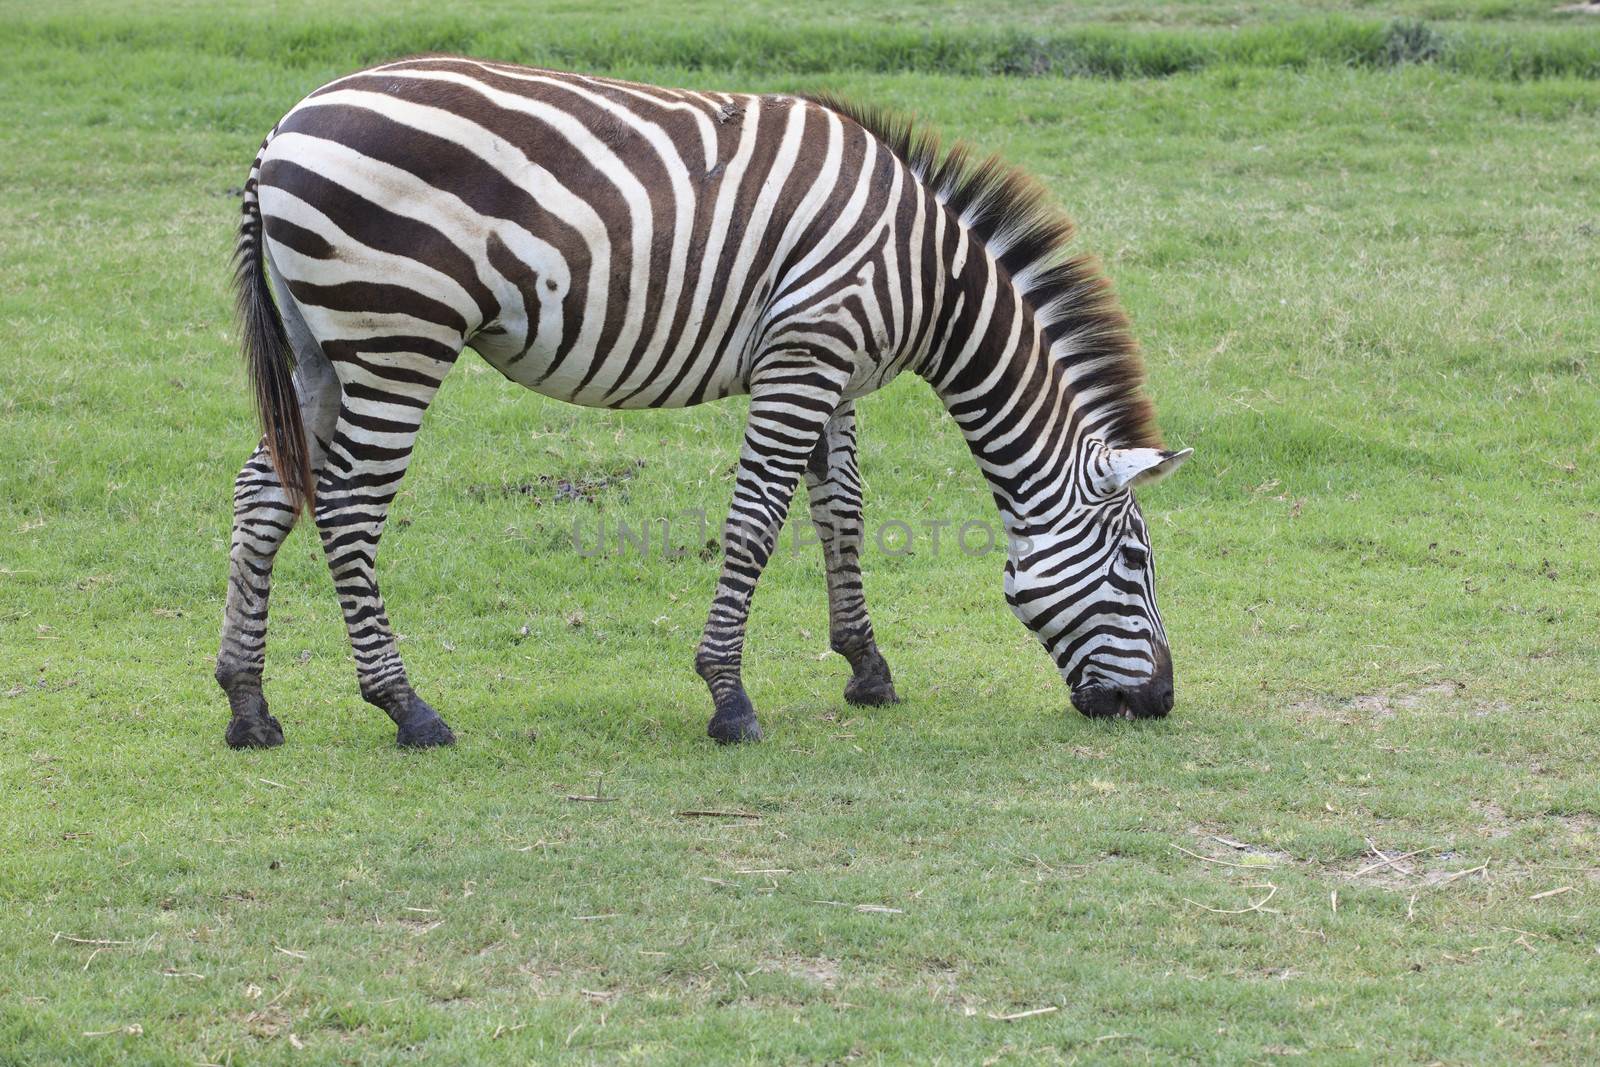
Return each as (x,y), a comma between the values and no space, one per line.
(1086,587)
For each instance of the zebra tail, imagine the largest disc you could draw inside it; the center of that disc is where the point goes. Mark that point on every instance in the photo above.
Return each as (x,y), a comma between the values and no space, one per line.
(268,354)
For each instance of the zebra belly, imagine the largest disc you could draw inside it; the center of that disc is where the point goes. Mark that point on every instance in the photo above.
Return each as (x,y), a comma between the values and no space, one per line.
(531,354)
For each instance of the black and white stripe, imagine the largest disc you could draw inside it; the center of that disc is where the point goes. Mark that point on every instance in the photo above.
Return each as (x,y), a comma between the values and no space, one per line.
(621,245)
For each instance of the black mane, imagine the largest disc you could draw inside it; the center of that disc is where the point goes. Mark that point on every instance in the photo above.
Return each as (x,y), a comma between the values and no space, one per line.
(1028,235)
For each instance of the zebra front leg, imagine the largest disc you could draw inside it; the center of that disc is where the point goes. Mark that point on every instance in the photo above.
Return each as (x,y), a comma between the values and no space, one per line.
(790,402)
(367,459)
(833,482)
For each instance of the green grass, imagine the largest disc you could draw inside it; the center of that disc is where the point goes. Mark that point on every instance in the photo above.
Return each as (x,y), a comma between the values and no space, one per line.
(1013,42)
(1367,299)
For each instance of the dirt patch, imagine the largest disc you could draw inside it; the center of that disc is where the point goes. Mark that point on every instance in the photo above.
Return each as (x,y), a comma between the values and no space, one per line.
(942,980)
(545,979)
(1367,710)
(1437,689)
(1374,709)
(1408,869)
(1226,850)
(1495,820)
(584,487)
(266,1023)
(1581,825)
(816,969)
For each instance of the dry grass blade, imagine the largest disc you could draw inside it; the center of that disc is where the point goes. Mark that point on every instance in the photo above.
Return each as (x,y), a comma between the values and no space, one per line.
(1461,874)
(102,941)
(875,909)
(1014,1016)
(1385,861)
(1272,891)
(1551,893)
(1225,863)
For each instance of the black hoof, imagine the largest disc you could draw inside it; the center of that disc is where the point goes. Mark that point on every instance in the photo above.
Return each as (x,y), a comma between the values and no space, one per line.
(735,720)
(254,731)
(871,691)
(734,731)
(429,733)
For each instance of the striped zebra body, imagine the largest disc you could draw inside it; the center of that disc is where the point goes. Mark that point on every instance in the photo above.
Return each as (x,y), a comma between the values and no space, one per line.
(601,250)
(623,246)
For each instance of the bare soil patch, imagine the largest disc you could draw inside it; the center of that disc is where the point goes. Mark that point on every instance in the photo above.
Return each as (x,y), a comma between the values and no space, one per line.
(818,969)
(1375,709)
(1224,850)
(1581,825)
(1400,869)
(1496,822)
(577,487)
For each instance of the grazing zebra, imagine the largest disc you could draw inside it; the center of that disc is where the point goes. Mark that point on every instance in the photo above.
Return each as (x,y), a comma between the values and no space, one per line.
(625,246)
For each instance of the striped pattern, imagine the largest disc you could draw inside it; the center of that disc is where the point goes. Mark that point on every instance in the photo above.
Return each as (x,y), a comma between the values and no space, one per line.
(620,245)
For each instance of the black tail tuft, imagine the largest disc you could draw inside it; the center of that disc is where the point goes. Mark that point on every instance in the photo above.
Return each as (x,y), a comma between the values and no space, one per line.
(269,357)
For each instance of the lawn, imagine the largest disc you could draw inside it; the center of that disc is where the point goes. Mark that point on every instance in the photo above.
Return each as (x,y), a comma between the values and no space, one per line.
(1368,832)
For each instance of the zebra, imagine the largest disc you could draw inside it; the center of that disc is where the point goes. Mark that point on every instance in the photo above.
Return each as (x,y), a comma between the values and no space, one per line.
(620,245)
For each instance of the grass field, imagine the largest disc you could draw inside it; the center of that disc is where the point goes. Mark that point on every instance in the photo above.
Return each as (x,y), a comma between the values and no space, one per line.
(1367,295)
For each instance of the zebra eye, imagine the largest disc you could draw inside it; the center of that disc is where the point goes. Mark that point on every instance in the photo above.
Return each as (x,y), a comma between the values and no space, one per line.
(1134,556)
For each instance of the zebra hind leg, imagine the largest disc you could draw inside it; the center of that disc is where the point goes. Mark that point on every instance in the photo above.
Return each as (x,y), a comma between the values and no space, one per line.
(790,402)
(392,381)
(833,483)
(263,515)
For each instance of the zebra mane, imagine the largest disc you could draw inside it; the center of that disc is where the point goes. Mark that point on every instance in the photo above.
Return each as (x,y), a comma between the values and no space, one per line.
(1084,327)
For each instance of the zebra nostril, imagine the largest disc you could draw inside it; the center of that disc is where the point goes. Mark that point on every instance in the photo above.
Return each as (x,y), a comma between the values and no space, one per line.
(1152,700)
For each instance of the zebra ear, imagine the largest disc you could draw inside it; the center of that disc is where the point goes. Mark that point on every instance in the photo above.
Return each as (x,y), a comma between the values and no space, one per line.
(1130,468)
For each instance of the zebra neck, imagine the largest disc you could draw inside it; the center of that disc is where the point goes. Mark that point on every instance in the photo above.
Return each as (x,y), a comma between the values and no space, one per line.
(1013,401)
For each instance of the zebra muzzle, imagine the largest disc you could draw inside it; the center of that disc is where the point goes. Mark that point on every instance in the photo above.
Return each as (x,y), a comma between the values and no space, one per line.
(1153,700)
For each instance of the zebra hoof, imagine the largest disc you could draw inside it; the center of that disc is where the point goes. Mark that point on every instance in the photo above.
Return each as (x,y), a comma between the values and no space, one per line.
(734,721)
(254,731)
(871,691)
(732,731)
(430,733)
